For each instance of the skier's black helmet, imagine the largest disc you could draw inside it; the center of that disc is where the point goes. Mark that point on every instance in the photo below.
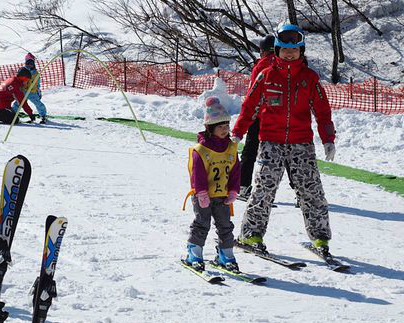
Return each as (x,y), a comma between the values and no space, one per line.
(267,43)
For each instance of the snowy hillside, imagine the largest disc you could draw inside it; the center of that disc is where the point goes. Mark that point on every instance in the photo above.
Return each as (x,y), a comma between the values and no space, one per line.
(122,196)
(367,54)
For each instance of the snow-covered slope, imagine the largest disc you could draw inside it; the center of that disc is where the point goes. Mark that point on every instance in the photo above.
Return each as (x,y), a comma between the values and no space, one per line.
(119,260)
(120,256)
(366,53)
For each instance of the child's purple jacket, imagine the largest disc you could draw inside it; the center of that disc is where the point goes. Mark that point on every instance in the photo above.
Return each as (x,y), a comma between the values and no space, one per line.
(199,177)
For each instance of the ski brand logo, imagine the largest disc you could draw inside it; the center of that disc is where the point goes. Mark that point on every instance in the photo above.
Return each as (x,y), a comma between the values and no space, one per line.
(54,247)
(10,199)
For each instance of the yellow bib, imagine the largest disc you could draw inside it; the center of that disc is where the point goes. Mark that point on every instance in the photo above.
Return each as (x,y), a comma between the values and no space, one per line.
(35,88)
(217,165)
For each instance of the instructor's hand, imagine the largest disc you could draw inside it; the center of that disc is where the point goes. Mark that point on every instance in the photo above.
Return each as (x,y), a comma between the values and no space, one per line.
(329,149)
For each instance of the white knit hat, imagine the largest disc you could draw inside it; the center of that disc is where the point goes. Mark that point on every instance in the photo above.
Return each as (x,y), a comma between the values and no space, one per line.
(215,112)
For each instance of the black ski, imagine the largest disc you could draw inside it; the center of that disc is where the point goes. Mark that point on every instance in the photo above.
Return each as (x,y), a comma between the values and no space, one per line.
(249,278)
(269,256)
(44,288)
(204,274)
(16,177)
(329,260)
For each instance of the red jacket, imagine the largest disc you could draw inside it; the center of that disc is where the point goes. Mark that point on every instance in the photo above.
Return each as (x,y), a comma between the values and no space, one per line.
(261,64)
(10,90)
(289,92)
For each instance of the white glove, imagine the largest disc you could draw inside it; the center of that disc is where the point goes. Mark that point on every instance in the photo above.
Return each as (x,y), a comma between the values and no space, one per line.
(329,149)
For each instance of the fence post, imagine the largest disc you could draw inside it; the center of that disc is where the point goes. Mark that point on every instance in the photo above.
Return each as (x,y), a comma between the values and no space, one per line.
(176,68)
(351,87)
(147,81)
(375,93)
(77,61)
(63,62)
(124,74)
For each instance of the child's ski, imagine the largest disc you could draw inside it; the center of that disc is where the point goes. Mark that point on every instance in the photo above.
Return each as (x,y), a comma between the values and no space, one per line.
(238,274)
(329,260)
(44,288)
(16,177)
(204,274)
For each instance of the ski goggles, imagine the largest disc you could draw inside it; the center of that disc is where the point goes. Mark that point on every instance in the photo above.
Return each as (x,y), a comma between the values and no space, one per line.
(291,36)
(289,39)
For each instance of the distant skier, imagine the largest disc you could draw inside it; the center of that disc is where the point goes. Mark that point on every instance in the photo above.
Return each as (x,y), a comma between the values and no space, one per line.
(35,96)
(10,90)
(249,153)
(290,92)
(215,182)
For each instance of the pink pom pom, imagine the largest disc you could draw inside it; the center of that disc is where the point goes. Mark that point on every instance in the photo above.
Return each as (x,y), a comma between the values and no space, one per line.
(212,100)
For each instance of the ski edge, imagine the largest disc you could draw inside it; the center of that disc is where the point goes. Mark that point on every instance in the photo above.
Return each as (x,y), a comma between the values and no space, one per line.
(243,276)
(213,279)
(271,257)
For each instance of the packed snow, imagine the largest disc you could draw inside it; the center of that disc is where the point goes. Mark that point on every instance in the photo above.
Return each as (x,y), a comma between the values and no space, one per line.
(122,196)
(119,260)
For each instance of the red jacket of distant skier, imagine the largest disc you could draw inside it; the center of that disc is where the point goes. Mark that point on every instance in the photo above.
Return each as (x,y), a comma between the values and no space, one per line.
(10,90)
(287,94)
(260,65)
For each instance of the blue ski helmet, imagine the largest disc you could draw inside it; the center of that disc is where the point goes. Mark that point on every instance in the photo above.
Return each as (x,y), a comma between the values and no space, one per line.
(289,36)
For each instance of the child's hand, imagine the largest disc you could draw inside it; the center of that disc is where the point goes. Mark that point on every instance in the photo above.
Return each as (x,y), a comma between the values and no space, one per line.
(203,199)
(231,198)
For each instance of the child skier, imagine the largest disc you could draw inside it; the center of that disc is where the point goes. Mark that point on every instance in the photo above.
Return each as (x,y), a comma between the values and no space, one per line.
(35,95)
(290,92)
(215,182)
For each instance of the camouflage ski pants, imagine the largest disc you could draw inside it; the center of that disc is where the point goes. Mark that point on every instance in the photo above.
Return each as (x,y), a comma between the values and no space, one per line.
(308,187)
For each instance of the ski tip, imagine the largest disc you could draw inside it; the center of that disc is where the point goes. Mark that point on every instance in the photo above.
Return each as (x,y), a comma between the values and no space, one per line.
(216,280)
(298,265)
(259,280)
(342,269)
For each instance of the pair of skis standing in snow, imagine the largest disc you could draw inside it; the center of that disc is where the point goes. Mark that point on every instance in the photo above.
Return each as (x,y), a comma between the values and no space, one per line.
(283,96)
(15,182)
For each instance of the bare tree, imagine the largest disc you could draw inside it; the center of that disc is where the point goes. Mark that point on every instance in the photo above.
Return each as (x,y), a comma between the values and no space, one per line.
(49,19)
(205,32)
(292,12)
(362,15)
(195,31)
(336,42)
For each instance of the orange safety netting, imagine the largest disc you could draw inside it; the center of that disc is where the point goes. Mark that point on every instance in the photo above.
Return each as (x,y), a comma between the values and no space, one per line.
(369,96)
(172,79)
(169,80)
(164,79)
(52,76)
